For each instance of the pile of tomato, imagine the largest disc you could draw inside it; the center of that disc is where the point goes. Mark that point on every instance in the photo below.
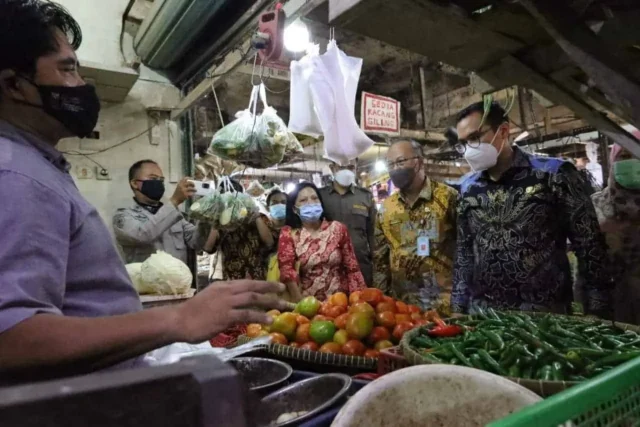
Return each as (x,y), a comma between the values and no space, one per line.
(361,324)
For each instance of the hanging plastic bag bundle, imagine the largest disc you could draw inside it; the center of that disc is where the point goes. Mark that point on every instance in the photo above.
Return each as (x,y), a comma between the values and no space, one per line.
(255,189)
(258,141)
(334,83)
(238,208)
(207,209)
(303,118)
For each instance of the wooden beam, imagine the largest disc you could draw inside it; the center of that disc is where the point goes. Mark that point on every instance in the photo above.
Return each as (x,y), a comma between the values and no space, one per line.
(293,9)
(602,62)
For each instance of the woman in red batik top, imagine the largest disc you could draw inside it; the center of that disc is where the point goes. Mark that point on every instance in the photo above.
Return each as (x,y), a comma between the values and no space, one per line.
(315,256)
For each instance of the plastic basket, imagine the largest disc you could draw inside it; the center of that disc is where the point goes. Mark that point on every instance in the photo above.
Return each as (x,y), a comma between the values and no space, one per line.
(391,359)
(611,399)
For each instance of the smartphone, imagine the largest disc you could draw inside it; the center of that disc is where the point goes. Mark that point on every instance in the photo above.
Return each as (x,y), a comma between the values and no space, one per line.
(203,188)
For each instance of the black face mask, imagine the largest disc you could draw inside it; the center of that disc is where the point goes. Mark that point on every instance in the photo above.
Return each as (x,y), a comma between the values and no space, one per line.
(77,108)
(153,189)
(402,178)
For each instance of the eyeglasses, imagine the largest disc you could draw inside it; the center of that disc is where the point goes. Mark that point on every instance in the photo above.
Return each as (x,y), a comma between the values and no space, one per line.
(399,164)
(473,141)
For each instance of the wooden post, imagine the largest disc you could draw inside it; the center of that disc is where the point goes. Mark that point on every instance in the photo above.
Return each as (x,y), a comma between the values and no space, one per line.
(603,154)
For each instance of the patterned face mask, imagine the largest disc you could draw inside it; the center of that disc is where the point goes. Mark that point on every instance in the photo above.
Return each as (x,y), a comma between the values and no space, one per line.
(627,173)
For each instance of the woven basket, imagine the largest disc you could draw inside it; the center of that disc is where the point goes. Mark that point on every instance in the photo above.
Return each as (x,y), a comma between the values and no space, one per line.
(542,388)
(316,357)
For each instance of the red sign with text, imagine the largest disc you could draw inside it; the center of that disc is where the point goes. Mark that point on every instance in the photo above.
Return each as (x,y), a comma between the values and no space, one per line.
(380,114)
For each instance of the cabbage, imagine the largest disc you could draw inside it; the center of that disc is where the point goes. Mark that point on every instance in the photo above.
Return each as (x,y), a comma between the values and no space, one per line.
(134,274)
(162,274)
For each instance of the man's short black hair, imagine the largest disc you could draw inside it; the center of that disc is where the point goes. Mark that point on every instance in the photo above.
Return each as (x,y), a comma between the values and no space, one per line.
(495,117)
(28,32)
(135,168)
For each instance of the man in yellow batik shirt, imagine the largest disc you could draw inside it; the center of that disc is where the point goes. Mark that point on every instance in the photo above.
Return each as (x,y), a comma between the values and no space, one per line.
(415,233)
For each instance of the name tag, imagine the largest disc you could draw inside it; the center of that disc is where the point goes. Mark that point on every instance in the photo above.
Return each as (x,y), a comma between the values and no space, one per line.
(360,207)
(423,246)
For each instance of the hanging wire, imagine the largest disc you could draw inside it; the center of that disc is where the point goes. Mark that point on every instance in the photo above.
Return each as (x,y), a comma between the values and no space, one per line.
(215,97)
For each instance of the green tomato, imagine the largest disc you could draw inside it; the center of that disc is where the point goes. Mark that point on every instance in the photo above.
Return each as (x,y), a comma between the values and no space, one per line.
(322,331)
(308,307)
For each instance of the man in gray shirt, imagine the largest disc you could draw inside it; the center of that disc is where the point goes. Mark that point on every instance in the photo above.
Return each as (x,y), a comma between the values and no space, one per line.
(149,225)
(353,206)
(67,306)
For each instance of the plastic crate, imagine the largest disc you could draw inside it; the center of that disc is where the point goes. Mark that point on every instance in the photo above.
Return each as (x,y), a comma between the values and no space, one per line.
(391,359)
(611,399)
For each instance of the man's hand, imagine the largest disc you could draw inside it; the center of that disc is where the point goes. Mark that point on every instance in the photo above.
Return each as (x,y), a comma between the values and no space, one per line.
(184,190)
(223,305)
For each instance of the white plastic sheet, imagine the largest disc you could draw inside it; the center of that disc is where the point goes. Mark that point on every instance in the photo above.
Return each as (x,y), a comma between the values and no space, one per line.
(334,83)
(303,118)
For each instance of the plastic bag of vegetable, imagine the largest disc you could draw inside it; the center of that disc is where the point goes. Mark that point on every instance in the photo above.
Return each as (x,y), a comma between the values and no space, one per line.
(255,189)
(162,274)
(237,208)
(207,209)
(255,140)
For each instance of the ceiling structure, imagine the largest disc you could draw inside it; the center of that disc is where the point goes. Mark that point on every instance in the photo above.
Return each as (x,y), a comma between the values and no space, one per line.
(437,56)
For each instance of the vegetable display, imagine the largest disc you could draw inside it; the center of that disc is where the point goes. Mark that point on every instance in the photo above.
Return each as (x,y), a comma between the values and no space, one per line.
(548,348)
(359,325)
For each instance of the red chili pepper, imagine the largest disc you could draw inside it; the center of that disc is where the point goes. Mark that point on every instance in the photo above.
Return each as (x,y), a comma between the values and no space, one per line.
(443,330)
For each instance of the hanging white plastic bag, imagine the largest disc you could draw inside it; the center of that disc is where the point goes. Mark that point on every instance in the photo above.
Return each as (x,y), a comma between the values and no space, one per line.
(238,208)
(255,189)
(303,118)
(333,87)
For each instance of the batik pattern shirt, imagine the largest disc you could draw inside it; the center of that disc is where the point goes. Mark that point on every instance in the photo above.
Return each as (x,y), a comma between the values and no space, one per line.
(399,270)
(512,239)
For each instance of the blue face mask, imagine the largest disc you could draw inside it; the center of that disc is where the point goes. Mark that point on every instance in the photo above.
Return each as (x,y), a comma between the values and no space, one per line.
(310,213)
(278,212)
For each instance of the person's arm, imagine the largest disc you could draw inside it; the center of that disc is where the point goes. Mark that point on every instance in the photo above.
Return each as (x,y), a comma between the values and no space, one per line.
(588,243)
(371,226)
(266,236)
(287,263)
(211,245)
(35,336)
(355,279)
(463,264)
(131,227)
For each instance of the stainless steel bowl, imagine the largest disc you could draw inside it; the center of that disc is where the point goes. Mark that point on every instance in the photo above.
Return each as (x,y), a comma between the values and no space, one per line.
(261,374)
(311,396)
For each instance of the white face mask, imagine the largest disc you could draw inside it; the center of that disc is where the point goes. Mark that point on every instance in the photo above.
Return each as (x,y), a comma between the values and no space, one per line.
(345,177)
(483,157)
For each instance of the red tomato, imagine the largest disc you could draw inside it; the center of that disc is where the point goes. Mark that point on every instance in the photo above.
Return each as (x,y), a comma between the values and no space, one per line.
(302,333)
(301,319)
(335,311)
(372,295)
(381,345)
(341,321)
(402,307)
(386,306)
(339,299)
(323,308)
(379,333)
(403,318)
(354,348)
(278,338)
(354,298)
(386,319)
(374,354)
(388,299)
(415,317)
(331,347)
(310,346)
(414,309)
(400,330)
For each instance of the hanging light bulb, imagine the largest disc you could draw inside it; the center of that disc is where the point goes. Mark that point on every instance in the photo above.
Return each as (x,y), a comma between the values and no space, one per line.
(381,166)
(296,37)
(290,187)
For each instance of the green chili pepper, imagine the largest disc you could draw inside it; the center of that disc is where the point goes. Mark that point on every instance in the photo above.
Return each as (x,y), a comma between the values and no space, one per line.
(492,313)
(514,370)
(537,343)
(545,373)
(527,372)
(494,338)
(556,372)
(590,352)
(523,350)
(567,333)
(612,342)
(577,378)
(431,358)
(615,359)
(491,363)
(458,354)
